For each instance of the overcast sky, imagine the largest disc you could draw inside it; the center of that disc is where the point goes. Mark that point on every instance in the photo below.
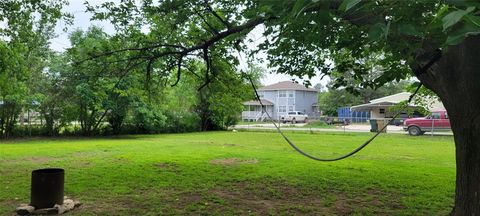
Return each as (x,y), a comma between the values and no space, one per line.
(82,21)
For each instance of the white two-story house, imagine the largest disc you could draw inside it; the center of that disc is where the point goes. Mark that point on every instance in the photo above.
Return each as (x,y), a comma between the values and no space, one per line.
(281,98)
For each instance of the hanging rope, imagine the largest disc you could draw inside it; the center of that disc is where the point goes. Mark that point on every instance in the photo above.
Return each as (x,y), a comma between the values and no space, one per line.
(329,159)
(435,56)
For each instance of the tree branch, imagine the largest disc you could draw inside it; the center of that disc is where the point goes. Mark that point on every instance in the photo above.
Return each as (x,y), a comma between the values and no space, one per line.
(149,74)
(206,58)
(179,70)
(209,8)
(135,49)
(215,31)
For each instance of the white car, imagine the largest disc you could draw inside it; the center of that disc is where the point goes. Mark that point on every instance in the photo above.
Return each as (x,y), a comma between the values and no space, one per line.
(294,117)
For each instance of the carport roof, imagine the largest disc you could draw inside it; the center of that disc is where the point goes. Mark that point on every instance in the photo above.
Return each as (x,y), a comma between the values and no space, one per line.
(395,99)
(383,102)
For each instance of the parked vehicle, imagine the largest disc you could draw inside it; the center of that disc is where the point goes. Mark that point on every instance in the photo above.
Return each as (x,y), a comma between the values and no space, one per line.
(294,117)
(436,121)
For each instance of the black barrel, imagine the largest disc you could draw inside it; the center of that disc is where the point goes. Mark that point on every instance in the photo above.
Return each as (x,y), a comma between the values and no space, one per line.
(47,187)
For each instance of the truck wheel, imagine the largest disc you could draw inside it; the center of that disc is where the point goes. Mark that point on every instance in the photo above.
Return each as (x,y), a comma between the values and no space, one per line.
(305,121)
(414,131)
(294,121)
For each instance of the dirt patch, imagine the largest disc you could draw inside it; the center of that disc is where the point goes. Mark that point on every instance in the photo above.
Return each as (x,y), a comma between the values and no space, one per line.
(35,160)
(269,198)
(250,197)
(229,144)
(168,166)
(341,206)
(39,159)
(277,197)
(233,161)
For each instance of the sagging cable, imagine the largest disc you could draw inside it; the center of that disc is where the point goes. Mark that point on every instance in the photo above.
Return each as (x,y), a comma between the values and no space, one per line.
(336,158)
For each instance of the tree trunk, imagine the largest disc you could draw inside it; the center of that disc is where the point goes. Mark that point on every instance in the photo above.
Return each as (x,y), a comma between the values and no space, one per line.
(456,80)
(467,193)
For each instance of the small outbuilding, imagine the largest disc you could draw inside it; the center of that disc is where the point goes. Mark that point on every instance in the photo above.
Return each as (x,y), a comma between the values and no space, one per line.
(380,108)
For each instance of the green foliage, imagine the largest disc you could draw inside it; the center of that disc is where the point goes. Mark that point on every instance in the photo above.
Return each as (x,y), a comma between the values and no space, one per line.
(348,4)
(13,88)
(52,96)
(304,42)
(148,118)
(24,19)
(111,95)
(424,99)
(454,17)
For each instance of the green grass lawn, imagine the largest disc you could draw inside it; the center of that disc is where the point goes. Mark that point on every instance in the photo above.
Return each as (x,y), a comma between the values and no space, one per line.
(238,173)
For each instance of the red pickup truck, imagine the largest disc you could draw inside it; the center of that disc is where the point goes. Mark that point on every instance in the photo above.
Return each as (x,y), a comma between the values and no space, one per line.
(437,121)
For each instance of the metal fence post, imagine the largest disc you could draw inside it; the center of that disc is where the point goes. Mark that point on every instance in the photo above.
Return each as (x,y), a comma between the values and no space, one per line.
(433,123)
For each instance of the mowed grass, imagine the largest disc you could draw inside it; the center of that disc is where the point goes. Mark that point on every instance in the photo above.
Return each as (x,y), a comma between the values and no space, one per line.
(247,173)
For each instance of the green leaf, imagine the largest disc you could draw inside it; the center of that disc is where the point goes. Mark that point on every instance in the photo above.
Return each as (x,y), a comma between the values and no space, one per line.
(265,9)
(456,37)
(454,17)
(298,7)
(348,4)
(463,3)
(475,20)
(377,31)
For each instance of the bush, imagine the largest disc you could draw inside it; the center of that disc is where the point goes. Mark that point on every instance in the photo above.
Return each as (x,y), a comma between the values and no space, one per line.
(26,130)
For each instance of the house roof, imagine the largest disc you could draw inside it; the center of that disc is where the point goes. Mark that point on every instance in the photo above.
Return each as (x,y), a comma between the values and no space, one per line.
(369,106)
(393,100)
(256,103)
(287,85)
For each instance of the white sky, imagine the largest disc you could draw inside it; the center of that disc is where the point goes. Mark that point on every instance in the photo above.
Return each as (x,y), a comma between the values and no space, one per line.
(82,21)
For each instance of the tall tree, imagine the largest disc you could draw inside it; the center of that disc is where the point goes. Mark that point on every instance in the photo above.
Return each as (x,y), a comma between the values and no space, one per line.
(436,41)
(51,93)
(93,83)
(26,28)
(13,88)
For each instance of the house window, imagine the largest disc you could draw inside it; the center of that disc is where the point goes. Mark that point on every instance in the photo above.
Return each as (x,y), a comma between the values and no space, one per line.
(290,94)
(290,108)
(282,109)
(382,111)
(282,94)
(446,115)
